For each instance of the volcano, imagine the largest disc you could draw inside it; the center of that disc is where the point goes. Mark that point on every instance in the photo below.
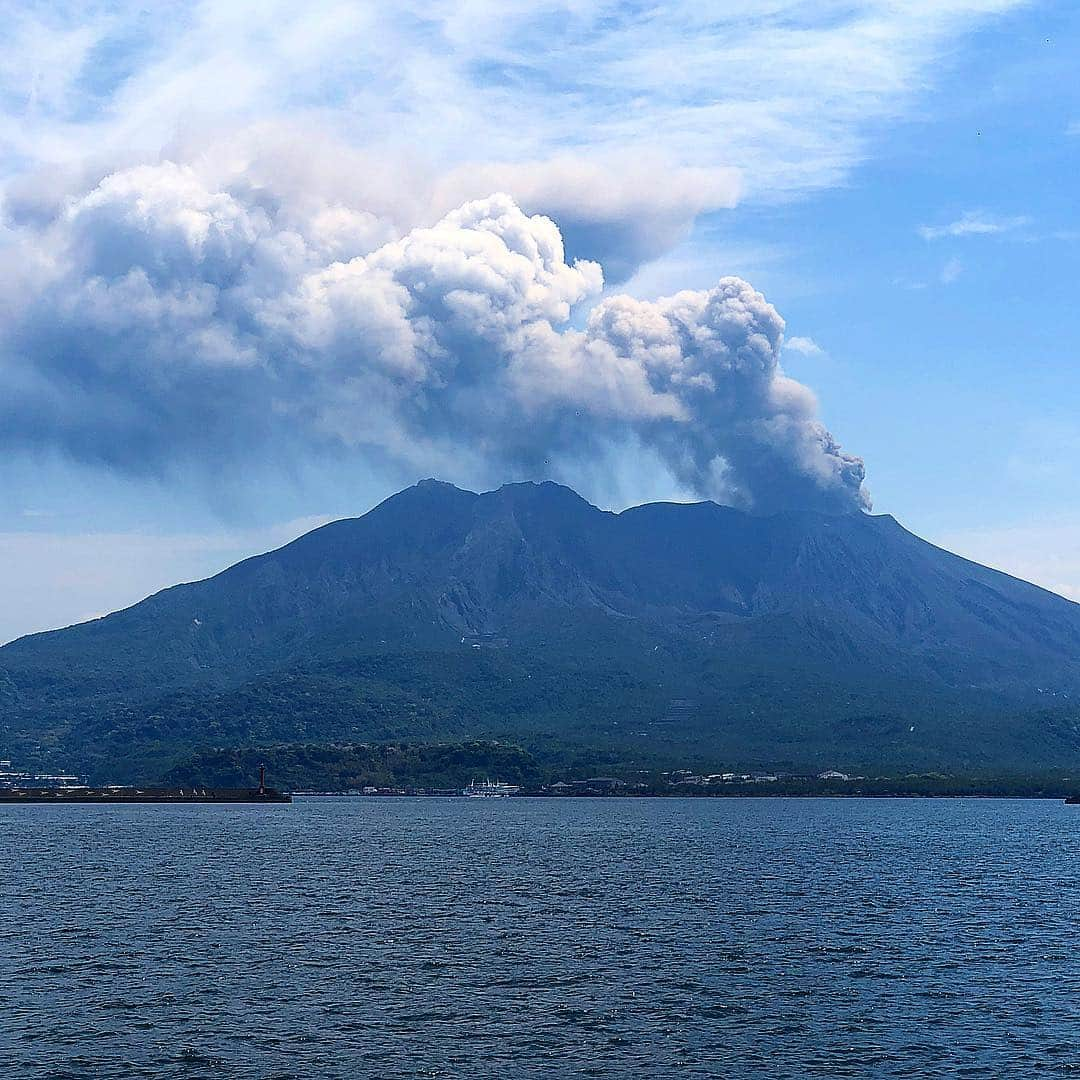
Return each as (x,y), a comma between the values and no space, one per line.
(665,632)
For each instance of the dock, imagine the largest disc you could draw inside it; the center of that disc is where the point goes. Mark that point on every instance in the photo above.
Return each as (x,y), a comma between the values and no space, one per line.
(132,793)
(143,795)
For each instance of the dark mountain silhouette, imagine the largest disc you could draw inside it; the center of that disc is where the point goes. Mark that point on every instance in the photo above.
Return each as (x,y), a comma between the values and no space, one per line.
(667,631)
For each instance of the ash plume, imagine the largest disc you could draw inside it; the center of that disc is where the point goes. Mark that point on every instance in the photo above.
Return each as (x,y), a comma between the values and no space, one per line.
(162,319)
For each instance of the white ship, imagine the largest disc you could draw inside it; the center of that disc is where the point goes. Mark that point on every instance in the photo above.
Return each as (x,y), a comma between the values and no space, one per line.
(490,789)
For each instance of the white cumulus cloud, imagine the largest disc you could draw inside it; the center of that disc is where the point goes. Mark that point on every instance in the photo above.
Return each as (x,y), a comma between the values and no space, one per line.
(171,319)
(804,346)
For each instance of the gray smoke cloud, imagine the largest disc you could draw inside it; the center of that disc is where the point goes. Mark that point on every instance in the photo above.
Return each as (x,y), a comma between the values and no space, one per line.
(159,319)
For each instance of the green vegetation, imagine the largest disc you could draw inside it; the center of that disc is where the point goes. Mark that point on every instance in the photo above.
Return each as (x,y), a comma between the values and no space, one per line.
(447,767)
(669,710)
(440,766)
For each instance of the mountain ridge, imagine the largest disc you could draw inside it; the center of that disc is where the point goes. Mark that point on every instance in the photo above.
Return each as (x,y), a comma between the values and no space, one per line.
(798,616)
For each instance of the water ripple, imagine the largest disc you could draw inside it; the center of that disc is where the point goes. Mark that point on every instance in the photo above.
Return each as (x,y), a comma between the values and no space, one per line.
(611,938)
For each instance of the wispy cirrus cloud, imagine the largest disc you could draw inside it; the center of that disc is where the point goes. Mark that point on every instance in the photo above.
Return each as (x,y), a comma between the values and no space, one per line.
(581,104)
(951,271)
(974,223)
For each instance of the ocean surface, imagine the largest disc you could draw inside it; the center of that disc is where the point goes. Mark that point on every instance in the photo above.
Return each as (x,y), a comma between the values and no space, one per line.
(379,937)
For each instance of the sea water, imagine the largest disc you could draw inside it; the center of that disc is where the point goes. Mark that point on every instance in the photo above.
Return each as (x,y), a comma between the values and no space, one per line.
(384,937)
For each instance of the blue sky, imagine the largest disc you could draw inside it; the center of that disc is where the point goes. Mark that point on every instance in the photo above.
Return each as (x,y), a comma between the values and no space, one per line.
(900,184)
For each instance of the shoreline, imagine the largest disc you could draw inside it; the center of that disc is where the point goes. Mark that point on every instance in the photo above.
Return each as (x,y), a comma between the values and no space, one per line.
(685,795)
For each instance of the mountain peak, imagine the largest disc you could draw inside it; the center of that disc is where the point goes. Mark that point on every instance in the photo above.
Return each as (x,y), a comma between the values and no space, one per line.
(431,483)
(544,492)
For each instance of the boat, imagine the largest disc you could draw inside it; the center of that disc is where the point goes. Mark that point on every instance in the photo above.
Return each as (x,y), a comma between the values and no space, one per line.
(490,789)
(1072,800)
